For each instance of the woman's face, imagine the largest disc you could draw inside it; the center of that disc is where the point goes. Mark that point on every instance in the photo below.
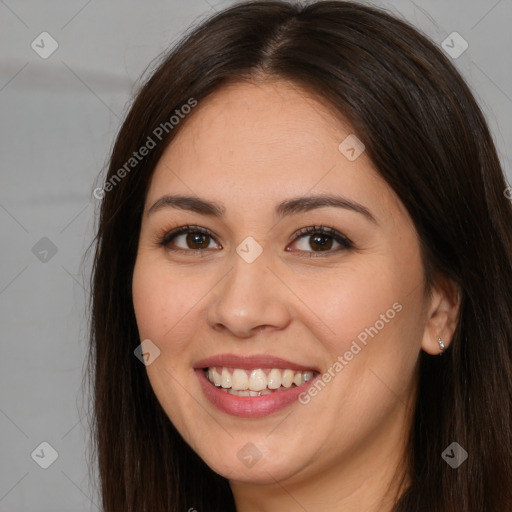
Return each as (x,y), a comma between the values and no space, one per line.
(326,326)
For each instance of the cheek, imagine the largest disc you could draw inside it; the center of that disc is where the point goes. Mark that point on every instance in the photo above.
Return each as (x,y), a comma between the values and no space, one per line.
(351,300)
(148,300)
(371,315)
(160,301)
(164,313)
(169,305)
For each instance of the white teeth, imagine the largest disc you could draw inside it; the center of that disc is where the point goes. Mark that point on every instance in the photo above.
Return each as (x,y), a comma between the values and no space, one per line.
(214,376)
(257,383)
(244,392)
(226,378)
(274,379)
(248,392)
(307,376)
(288,378)
(257,380)
(239,380)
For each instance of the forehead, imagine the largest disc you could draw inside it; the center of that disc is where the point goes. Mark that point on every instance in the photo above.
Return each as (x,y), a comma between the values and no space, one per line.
(269,140)
(259,122)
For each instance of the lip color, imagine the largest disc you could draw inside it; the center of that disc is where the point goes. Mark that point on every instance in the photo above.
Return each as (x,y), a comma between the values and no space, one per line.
(250,362)
(250,406)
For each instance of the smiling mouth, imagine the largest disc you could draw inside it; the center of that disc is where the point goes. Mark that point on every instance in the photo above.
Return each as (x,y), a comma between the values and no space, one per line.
(256,382)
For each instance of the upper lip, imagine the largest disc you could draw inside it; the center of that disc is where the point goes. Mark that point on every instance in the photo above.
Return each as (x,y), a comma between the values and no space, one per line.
(250,362)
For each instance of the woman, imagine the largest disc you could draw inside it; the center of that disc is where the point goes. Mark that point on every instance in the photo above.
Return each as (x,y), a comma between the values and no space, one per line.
(302,287)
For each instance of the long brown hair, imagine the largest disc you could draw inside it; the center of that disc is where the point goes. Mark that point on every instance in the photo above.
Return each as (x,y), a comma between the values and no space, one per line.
(429,140)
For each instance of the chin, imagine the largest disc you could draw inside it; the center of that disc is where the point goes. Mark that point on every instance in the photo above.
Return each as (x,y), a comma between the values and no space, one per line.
(249,465)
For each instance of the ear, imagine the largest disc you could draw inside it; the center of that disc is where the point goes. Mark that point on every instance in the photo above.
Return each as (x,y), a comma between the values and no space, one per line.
(442,314)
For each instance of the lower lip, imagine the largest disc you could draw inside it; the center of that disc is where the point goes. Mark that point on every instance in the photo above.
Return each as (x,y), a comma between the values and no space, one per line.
(250,406)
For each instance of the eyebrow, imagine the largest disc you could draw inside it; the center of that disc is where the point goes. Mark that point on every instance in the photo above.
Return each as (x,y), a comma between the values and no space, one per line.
(283,209)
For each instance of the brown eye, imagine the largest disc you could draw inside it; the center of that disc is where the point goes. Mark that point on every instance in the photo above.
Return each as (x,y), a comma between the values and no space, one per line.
(314,239)
(321,239)
(188,238)
(197,240)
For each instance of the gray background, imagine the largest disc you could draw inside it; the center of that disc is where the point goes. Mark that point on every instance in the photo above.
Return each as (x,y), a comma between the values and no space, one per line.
(59,116)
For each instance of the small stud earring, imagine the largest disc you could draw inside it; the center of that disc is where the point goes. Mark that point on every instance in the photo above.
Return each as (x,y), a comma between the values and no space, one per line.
(441,345)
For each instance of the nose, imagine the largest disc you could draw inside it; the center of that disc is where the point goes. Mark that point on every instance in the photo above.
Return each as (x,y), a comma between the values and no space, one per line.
(249,299)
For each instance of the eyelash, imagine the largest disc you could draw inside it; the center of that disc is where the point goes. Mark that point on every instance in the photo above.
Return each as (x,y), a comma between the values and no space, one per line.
(165,237)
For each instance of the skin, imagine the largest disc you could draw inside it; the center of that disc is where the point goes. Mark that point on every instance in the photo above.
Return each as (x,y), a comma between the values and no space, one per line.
(248,147)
